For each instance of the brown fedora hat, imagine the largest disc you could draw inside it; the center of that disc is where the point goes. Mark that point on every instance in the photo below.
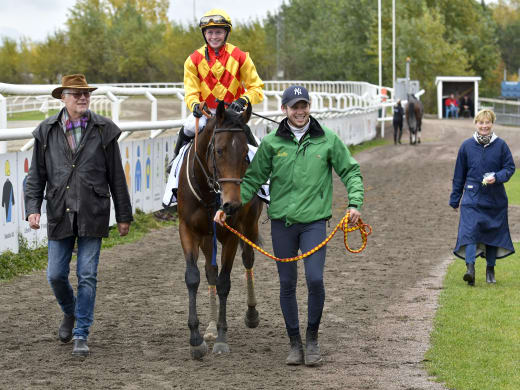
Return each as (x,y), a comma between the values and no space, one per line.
(73,81)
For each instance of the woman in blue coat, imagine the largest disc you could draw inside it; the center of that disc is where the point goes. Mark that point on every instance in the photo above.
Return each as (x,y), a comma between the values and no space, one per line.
(484,164)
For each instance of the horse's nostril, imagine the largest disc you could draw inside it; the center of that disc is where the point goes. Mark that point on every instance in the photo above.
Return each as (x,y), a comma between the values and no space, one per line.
(228,208)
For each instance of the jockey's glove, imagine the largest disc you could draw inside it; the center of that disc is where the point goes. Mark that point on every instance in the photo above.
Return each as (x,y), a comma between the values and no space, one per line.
(197,113)
(238,105)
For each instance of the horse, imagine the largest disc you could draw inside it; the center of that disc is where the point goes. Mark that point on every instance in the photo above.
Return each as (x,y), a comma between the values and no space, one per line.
(213,168)
(414,114)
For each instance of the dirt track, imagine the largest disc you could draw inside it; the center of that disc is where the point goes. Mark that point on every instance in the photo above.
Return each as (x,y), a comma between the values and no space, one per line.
(377,317)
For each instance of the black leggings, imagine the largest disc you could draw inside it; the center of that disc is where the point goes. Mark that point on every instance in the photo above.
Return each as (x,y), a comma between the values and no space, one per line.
(398,125)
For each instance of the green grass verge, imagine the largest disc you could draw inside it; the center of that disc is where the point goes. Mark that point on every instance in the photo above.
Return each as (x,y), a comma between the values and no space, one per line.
(354,149)
(29,116)
(28,260)
(36,115)
(475,343)
(513,189)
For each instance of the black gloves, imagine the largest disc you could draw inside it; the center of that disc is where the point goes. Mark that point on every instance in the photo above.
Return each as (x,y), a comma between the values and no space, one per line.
(197,113)
(238,105)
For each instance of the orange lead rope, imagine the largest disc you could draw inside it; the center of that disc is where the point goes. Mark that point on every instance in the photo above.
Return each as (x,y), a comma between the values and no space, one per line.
(364,229)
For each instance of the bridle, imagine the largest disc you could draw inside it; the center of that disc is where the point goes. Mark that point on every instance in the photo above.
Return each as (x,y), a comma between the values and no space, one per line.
(213,180)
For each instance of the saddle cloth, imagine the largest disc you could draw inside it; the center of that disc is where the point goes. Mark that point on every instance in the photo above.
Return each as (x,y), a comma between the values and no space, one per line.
(170,192)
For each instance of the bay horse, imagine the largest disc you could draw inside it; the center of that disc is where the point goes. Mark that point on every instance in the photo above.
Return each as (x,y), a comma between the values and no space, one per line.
(213,168)
(414,114)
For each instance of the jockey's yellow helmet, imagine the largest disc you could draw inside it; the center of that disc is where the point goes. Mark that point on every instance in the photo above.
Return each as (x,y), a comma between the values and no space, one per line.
(215,18)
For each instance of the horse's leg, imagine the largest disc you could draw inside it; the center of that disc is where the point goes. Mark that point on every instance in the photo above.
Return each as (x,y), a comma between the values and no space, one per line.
(211,276)
(248,259)
(229,249)
(190,246)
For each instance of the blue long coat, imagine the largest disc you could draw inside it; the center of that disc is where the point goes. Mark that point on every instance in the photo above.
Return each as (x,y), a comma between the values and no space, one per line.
(483,210)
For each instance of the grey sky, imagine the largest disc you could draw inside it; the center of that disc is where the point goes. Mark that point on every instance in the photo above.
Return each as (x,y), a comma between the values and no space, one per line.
(35,19)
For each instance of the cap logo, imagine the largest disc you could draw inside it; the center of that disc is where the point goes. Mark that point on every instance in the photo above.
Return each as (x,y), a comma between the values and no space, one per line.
(297,91)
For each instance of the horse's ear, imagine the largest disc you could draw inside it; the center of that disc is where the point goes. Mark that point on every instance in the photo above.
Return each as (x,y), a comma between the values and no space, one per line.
(221,109)
(246,115)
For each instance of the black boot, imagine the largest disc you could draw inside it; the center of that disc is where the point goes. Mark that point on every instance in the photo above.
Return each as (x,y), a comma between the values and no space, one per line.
(182,139)
(469,276)
(490,274)
(312,348)
(65,330)
(249,135)
(295,356)
(80,348)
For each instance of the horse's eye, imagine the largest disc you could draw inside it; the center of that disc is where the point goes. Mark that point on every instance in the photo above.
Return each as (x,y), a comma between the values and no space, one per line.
(219,152)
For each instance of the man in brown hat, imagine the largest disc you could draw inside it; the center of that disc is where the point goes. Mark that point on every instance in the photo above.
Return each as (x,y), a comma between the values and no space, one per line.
(76,160)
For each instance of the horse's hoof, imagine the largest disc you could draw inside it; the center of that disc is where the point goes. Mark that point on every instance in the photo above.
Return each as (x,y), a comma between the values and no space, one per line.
(220,347)
(253,320)
(211,332)
(199,351)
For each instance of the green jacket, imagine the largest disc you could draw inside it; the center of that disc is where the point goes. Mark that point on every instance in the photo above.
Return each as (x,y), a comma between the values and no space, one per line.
(301,173)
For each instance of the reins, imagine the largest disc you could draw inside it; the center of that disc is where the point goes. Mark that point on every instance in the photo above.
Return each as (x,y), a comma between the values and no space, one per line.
(364,229)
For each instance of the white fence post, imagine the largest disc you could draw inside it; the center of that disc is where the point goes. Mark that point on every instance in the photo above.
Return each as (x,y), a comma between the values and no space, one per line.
(3,121)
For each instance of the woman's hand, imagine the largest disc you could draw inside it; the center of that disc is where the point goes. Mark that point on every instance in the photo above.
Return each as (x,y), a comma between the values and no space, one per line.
(220,217)
(490,180)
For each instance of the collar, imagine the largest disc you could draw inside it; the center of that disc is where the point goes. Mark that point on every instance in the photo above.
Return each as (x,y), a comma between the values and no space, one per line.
(93,117)
(315,129)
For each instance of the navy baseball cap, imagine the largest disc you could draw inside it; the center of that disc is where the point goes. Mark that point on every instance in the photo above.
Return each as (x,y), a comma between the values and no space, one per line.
(294,94)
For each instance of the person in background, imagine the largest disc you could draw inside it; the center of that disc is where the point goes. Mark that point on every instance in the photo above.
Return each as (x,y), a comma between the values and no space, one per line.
(398,121)
(298,159)
(452,106)
(218,71)
(466,106)
(76,161)
(484,164)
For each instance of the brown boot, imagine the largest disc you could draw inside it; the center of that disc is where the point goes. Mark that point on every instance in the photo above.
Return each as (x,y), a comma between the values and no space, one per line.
(295,356)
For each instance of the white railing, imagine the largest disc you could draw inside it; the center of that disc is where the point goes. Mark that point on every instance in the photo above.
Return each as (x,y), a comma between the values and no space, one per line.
(330,99)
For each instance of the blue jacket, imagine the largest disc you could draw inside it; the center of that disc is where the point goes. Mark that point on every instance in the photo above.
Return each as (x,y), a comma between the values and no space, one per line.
(483,209)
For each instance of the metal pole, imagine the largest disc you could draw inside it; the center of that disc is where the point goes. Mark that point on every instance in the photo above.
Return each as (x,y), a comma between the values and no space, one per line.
(379,44)
(3,121)
(393,47)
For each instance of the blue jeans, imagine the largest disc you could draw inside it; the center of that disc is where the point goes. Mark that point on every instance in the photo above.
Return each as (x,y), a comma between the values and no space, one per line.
(58,269)
(454,111)
(491,254)
(286,242)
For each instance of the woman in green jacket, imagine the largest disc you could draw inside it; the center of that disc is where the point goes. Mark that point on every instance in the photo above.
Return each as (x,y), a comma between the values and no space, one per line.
(298,159)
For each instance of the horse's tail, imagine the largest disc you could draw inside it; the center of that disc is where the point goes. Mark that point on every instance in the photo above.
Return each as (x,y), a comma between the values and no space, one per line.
(412,120)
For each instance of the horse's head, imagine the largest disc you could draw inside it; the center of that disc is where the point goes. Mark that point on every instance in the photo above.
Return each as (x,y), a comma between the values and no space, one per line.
(227,154)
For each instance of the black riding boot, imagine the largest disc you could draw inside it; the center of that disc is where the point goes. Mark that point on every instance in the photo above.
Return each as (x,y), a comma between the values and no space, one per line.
(490,274)
(312,348)
(249,135)
(182,139)
(469,276)
(295,356)
(400,134)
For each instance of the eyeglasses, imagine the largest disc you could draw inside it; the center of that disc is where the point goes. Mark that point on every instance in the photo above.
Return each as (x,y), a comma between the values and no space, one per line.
(217,19)
(77,95)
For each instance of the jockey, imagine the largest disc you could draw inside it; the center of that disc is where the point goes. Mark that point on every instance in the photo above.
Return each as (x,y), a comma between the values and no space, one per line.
(218,70)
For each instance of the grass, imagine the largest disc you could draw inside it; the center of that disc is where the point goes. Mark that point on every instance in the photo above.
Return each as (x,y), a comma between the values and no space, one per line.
(513,189)
(354,149)
(28,260)
(37,115)
(475,343)
(30,115)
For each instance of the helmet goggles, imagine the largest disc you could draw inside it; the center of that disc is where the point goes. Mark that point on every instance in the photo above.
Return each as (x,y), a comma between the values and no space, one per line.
(214,20)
